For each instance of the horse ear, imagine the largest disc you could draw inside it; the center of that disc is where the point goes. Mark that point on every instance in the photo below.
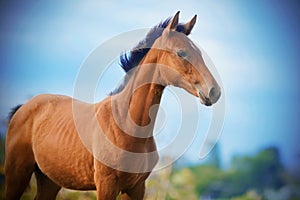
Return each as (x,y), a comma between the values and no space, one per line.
(190,25)
(173,24)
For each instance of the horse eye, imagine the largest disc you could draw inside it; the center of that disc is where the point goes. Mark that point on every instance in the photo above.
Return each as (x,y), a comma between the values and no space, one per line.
(181,53)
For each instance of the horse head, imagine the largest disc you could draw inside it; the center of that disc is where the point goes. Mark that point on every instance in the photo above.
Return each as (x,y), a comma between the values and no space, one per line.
(181,63)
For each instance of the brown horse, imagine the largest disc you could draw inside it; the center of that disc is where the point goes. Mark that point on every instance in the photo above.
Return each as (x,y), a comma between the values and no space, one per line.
(46,138)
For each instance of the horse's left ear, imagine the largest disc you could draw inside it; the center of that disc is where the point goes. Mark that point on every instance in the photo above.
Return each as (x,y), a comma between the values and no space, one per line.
(190,25)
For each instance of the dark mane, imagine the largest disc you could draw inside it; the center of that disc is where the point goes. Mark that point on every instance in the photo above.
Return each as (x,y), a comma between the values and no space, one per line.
(129,61)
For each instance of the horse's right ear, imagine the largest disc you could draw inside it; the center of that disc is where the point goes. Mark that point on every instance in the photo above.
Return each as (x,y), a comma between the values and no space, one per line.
(173,23)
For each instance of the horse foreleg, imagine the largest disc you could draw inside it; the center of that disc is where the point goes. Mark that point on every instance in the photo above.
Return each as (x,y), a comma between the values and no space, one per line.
(106,185)
(136,193)
(107,189)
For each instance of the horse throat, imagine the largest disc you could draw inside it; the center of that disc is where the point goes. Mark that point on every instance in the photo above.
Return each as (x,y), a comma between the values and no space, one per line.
(137,105)
(144,104)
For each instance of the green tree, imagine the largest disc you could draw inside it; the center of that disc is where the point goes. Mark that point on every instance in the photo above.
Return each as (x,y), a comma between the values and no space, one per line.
(247,173)
(264,170)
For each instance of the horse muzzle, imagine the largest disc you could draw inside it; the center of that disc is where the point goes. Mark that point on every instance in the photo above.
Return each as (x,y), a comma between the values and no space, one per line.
(214,96)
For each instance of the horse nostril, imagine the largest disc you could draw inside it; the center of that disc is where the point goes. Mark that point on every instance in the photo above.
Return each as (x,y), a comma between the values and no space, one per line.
(214,94)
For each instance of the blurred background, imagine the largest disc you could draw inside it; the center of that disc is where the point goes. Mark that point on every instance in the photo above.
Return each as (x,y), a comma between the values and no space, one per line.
(254,46)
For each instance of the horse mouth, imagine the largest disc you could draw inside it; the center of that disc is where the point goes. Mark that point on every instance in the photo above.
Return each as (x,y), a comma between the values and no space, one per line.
(207,103)
(204,100)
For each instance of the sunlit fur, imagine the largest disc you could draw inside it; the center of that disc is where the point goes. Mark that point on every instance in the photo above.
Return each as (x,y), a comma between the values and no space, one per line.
(42,137)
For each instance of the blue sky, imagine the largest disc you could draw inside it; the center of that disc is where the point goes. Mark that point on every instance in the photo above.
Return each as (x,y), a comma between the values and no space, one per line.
(253,44)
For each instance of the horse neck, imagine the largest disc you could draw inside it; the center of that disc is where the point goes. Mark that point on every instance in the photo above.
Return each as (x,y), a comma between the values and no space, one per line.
(140,99)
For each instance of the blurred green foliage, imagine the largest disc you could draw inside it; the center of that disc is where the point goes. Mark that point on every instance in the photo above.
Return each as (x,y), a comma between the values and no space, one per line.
(261,176)
(258,177)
